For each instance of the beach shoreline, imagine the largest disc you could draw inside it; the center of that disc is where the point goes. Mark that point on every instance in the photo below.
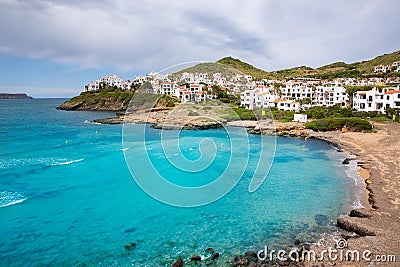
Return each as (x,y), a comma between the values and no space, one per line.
(377,224)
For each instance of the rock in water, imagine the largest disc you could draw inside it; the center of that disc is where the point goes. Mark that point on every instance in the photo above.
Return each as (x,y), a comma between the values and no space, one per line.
(178,263)
(321,219)
(196,258)
(215,256)
(130,246)
(346,161)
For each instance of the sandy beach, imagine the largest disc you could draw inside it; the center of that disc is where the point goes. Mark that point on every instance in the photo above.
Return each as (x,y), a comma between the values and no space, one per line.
(378,224)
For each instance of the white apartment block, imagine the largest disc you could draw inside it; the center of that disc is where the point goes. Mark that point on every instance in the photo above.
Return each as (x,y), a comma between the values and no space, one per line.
(330,96)
(140,78)
(168,88)
(295,90)
(288,105)
(260,97)
(263,97)
(111,80)
(376,100)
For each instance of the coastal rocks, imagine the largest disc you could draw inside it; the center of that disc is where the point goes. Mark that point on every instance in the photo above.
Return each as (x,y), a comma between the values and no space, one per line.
(184,125)
(117,120)
(293,129)
(178,263)
(346,161)
(195,258)
(214,256)
(360,213)
(71,105)
(354,224)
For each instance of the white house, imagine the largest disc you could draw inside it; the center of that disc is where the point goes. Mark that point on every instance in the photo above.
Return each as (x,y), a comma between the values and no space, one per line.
(288,105)
(330,95)
(300,117)
(376,100)
(112,80)
(168,88)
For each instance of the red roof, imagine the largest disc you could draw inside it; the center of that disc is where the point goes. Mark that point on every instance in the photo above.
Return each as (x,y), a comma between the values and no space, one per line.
(392,92)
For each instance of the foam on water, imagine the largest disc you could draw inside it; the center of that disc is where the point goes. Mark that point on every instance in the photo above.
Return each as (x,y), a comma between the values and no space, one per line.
(11,198)
(24,162)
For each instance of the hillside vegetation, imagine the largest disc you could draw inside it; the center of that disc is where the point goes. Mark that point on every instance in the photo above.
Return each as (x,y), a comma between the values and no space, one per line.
(115,99)
(330,71)
(243,67)
(105,99)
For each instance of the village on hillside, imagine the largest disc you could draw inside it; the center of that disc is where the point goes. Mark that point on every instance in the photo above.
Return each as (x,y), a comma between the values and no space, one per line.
(296,94)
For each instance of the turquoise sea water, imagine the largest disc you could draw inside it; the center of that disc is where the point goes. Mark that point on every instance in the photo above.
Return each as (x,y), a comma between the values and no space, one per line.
(67,197)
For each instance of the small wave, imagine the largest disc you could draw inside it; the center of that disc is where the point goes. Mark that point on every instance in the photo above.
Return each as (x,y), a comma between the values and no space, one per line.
(92,122)
(124,149)
(23,162)
(68,162)
(10,198)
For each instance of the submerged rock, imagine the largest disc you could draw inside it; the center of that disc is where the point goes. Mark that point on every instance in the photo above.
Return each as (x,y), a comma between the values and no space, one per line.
(321,219)
(215,256)
(178,263)
(130,230)
(196,258)
(130,246)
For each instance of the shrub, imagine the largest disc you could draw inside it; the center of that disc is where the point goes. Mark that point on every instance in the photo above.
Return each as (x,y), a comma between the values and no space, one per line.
(193,113)
(331,124)
(245,114)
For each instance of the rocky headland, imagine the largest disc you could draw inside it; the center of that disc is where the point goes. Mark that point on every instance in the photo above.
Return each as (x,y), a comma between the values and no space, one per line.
(14,96)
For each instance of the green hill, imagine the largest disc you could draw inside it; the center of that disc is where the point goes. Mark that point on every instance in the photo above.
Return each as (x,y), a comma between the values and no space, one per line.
(330,71)
(210,68)
(243,67)
(105,99)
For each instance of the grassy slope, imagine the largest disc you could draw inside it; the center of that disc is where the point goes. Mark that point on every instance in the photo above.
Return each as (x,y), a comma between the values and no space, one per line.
(104,99)
(333,70)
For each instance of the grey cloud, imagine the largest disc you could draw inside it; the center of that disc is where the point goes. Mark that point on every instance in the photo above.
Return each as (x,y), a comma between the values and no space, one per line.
(135,35)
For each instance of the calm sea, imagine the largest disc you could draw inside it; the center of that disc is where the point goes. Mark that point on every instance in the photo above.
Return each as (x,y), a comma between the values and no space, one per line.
(67,196)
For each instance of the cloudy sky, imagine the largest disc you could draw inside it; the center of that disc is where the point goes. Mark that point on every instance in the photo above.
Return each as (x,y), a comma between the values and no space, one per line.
(53,48)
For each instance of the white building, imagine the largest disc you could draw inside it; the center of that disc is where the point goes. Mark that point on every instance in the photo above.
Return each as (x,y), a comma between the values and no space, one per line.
(297,90)
(168,88)
(260,97)
(330,96)
(288,105)
(112,80)
(376,100)
(300,117)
